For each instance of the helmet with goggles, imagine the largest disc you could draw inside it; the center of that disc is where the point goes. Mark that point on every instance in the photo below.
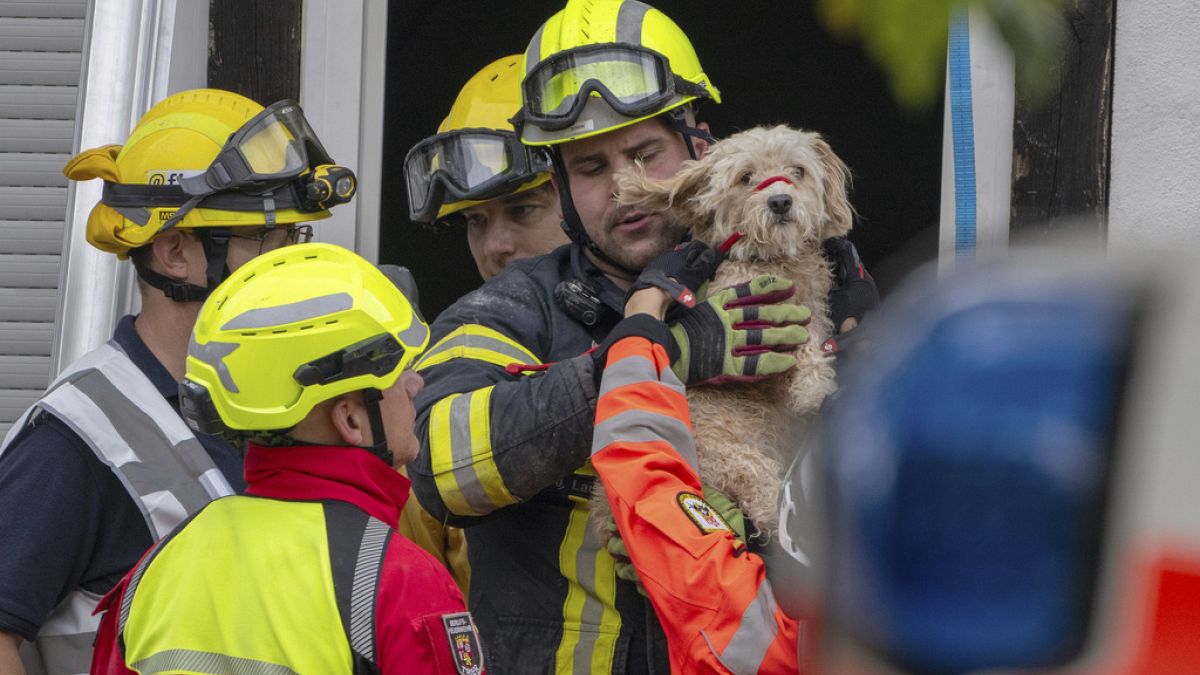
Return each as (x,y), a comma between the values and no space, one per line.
(209,160)
(476,155)
(290,329)
(599,65)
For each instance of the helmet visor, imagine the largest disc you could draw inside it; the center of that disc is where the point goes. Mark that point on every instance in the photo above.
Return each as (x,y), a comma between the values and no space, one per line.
(467,164)
(634,81)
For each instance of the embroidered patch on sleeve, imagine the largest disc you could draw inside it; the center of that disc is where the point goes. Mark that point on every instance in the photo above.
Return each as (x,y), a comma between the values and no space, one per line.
(464,643)
(699,512)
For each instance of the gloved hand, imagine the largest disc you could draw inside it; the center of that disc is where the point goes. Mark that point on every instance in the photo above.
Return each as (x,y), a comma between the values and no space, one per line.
(680,271)
(740,334)
(854,292)
(715,498)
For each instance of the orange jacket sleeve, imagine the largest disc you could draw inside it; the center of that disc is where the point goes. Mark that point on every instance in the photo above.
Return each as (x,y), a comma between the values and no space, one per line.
(711,595)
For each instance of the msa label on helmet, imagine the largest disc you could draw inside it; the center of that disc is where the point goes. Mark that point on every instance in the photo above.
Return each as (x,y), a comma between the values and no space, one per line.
(170,176)
(579,127)
(464,643)
(701,514)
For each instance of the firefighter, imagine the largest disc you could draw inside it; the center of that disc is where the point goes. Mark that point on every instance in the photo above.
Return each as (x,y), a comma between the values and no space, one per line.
(506,415)
(304,353)
(476,173)
(102,465)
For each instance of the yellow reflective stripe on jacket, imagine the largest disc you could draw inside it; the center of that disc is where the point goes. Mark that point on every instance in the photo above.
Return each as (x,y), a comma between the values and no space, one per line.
(591,624)
(460,453)
(191,575)
(473,341)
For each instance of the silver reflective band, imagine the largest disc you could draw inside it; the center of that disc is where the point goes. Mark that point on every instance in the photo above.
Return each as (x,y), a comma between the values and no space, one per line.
(293,312)
(364,588)
(112,406)
(193,661)
(639,426)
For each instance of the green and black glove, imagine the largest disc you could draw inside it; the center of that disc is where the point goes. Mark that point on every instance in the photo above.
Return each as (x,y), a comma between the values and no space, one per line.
(715,498)
(740,334)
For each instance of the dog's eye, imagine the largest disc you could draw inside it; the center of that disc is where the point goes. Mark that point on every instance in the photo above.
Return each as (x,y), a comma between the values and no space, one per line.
(799,171)
(745,179)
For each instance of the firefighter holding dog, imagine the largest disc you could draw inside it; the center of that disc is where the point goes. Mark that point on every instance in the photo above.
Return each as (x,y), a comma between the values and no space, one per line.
(102,465)
(506,415)
(305,353)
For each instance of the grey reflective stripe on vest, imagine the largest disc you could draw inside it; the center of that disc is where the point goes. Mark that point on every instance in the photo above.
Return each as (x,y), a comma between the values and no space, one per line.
(366,586)
(754,635)
(111,404)
(113,407)
(64,644)
(193,661)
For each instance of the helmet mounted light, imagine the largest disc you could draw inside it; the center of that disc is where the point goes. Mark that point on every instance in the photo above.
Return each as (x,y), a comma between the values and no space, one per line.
(272,150)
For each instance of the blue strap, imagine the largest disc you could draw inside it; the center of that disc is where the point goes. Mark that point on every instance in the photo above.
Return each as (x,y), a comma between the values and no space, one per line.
(963,130)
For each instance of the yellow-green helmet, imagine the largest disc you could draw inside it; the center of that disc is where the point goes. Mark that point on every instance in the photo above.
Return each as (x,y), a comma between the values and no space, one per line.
(290,329)
(179,137)
(599,65)
(475,155)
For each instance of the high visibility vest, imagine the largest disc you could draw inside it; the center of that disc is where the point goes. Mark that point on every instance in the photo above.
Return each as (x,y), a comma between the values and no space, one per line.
(110,403)
(258,585)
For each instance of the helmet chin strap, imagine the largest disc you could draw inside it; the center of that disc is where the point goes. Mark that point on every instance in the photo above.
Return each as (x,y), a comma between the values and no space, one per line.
(676,119)
(215,241)
(573,225)
(372,397)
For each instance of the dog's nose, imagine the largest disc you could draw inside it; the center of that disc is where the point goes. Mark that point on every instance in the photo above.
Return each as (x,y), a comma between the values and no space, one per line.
(780,204)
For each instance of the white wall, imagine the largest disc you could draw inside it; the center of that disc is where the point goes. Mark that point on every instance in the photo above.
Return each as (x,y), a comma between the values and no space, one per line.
(1155,182)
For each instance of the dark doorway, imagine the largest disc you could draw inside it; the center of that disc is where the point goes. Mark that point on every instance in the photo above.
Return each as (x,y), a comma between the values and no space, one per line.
(772,64)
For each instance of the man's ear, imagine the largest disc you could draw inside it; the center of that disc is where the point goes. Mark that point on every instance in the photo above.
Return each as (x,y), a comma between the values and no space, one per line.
(702,145)
(170,254)
(348,415)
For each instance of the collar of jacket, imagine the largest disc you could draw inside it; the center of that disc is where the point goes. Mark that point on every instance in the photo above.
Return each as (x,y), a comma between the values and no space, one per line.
(583,268)
(318,473)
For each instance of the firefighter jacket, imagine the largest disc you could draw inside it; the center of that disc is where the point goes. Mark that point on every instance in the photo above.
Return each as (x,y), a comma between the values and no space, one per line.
(106,399)
(301,575)
(711,595)
(504,454)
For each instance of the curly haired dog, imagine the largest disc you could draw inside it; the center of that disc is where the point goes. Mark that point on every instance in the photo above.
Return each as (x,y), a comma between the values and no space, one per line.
(786,191)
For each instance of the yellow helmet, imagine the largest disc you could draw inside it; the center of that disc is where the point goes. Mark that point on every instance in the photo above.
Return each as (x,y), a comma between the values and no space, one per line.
(178,139)
(475,155)
(290,329)
(599,65)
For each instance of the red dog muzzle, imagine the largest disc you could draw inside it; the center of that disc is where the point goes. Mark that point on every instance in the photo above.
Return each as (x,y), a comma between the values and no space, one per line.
(771,181)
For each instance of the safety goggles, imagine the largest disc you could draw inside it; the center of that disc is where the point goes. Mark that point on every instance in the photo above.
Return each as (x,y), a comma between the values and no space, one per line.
(268,152)
(275,146)
(632,80)
(466,164)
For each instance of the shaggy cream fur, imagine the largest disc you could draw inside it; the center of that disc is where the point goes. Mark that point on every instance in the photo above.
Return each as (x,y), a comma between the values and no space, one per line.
(739,428)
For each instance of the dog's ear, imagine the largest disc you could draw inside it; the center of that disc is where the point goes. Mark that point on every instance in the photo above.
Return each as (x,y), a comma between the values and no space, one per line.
(676,193)
(839,214)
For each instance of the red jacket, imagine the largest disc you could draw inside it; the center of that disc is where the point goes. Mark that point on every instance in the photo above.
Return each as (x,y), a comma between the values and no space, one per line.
(712,597)
(414,593)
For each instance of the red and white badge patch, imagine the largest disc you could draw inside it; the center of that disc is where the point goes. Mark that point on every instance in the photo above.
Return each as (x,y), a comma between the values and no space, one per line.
(702,514)
(464,643)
